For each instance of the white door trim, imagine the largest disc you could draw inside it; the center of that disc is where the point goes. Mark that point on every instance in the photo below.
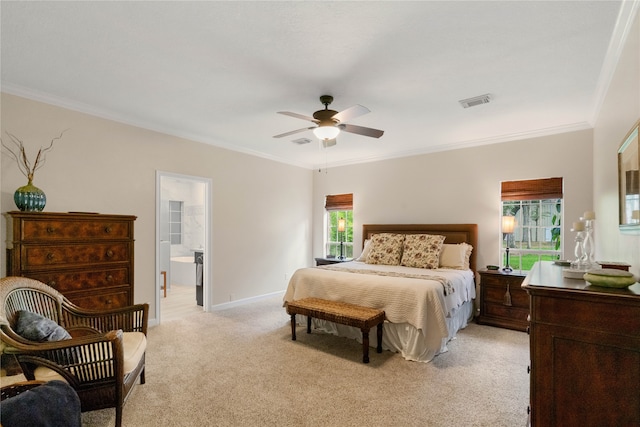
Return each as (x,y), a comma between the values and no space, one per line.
(207,292)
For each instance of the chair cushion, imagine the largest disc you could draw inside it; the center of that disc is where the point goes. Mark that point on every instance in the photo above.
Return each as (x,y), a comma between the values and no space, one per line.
(134,343)
(35,327)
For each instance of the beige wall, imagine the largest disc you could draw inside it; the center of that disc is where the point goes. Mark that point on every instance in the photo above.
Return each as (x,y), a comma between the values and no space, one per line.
(268,217)
(261,213)
(460,186)
(620,110)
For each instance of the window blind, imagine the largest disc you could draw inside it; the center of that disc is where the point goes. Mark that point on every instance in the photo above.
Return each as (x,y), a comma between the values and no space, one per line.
(339,202)
(532,189)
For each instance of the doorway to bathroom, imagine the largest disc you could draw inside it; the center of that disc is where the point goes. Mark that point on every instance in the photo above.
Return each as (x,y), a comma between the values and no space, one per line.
(183,206)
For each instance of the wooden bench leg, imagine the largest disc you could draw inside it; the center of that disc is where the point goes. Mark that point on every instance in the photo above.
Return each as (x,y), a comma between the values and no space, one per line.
(379,348)
(308,324)
(293,327)
(365,346)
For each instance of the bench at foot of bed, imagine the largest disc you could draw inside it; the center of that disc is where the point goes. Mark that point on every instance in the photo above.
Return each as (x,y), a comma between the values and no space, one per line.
(339,312)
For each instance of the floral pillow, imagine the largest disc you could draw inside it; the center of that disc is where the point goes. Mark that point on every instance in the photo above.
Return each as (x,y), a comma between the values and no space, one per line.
(385,248)
(422,250)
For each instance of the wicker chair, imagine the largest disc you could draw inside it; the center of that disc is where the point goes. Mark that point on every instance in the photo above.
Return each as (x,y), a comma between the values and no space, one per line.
(102,361)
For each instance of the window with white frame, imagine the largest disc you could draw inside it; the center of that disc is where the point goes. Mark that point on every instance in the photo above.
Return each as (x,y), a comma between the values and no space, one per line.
(175,222)
(536,209)
(339,225)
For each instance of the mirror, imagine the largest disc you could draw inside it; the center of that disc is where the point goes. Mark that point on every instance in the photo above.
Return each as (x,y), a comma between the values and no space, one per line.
(629,180)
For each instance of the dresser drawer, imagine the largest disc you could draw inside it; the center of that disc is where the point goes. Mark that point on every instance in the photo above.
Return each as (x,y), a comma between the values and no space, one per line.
(496,293)
(508,312)
(101,301)
(84,280)
(57,230)
(73,255)
(501,280)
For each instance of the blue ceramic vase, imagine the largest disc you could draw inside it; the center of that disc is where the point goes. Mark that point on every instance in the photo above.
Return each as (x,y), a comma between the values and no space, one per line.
(30,198)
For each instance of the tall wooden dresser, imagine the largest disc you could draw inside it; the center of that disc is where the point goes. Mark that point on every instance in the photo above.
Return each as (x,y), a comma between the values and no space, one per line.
(87,257)
(585,351)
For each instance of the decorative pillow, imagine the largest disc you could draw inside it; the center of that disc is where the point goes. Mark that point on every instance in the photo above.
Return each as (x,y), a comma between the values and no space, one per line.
(385,248)
(35,327)
(422,250)
(365,251)
(455,256)
(54,403)
(468,256)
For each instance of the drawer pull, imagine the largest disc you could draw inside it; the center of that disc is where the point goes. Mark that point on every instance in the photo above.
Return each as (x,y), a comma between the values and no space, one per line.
(50,230)
(52,283)
(50,256)
(109,253)
(507,297)
(109,278)
(107,229)
(108,302)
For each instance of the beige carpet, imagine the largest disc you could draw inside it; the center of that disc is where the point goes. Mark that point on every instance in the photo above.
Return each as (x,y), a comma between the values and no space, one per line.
(239,367)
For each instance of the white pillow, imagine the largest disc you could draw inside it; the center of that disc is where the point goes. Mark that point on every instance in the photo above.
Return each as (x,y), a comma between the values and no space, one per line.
(455,256)
(365,251)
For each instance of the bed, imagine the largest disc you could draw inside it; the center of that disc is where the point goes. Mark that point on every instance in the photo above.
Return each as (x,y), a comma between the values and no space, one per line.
(425,301)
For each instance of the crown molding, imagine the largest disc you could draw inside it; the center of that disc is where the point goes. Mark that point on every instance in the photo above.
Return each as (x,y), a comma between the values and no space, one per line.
(518,136)
(626,18)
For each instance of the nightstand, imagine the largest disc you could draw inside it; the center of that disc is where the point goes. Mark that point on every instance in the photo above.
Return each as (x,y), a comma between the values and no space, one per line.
(496,307)
(327,261)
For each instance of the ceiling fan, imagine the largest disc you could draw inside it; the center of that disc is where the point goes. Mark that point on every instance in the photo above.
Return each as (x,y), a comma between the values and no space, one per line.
(329,123)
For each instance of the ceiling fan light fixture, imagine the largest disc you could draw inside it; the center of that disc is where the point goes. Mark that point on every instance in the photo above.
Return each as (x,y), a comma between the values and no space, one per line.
(326,132)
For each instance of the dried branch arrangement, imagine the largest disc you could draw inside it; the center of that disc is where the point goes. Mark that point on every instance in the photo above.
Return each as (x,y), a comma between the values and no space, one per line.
(17,151)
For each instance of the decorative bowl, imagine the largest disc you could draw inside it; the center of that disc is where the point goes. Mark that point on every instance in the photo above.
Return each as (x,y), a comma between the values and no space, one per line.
(609,278)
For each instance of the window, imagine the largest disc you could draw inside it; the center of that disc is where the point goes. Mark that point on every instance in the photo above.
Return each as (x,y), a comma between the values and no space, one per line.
(537,208)
(338,207)
(175,222)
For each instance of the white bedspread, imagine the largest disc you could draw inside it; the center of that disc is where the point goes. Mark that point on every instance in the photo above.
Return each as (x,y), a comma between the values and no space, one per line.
(418,302)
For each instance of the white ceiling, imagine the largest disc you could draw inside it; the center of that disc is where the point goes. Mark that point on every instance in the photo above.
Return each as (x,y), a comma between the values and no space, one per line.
(217,72)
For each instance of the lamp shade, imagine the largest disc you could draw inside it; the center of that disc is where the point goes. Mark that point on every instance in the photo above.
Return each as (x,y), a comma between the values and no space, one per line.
(341,225)
(508,223)
(326,132)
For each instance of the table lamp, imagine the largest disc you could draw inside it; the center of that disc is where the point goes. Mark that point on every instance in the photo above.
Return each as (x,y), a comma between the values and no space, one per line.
(341,227)
(508,224)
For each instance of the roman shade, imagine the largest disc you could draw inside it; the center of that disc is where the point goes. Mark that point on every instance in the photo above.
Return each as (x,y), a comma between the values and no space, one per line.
(339,202)
(532,189)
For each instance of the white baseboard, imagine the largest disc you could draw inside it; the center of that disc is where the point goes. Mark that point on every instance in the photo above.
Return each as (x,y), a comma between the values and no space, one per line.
(243,301)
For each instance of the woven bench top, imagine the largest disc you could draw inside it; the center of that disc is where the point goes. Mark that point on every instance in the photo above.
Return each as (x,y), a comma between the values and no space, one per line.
(341,312)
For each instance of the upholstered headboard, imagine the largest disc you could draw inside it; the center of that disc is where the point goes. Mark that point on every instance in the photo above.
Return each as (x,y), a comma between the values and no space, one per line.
(453,233)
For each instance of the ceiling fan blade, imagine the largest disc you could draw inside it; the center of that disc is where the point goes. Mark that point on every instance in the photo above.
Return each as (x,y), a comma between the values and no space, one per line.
(351,113)
(361,130)
(298,116)
(326,143)
(293,131)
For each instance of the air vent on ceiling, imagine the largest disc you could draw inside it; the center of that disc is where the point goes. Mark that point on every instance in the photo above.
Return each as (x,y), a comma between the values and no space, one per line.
(476,100)
(301,141)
